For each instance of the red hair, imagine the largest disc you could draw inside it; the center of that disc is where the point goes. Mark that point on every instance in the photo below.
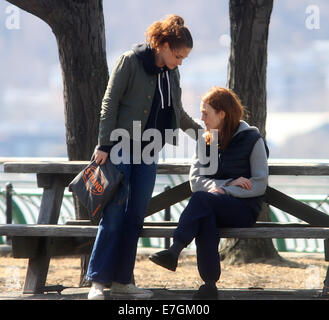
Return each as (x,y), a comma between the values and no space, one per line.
(222,99)
(171,30)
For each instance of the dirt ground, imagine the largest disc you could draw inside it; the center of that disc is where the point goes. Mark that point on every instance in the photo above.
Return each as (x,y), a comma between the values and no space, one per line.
(300,271)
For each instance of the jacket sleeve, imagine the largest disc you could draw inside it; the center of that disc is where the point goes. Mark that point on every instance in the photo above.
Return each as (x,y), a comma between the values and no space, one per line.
(259,174)
(186,122)
(199,182)
(116,87)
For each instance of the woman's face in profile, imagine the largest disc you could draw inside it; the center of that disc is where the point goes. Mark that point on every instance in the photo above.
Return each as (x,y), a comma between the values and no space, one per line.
(211,118)
(172,58)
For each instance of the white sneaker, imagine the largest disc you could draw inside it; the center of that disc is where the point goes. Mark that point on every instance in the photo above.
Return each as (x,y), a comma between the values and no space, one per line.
(96,291)
(119,290)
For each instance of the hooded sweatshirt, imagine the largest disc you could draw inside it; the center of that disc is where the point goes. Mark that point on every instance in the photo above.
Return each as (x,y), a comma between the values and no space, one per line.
(160,117)
(258,171)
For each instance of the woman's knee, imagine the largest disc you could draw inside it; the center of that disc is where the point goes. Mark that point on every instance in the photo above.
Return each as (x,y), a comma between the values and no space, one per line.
(199,196)
(195,204)
(205,198)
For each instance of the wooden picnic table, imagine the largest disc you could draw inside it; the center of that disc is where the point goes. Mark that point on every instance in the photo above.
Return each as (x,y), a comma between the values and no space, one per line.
(54,177)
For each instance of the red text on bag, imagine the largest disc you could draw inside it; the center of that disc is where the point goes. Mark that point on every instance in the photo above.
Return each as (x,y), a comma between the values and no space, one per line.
(94,180)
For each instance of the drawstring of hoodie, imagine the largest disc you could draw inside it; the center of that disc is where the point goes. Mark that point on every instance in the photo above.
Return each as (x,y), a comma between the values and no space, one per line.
(161,94)
(167,74)
(159,85)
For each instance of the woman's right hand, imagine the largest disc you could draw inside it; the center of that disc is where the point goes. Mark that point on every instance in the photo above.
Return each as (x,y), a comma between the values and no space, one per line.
(101,157)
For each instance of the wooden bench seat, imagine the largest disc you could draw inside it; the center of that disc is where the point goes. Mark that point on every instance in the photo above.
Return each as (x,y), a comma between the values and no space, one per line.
(77,237)
(260,230)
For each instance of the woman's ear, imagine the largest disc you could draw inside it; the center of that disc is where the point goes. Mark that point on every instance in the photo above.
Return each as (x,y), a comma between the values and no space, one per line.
(222,114)
(165,46)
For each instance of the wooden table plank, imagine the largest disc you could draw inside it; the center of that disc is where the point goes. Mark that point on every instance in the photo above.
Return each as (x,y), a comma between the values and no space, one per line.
(159,232)
(45,167)
(73,167)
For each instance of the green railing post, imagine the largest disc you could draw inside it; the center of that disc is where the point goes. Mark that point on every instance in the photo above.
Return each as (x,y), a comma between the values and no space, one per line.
(281,244)
(9,207)
(9,203)
(167,217)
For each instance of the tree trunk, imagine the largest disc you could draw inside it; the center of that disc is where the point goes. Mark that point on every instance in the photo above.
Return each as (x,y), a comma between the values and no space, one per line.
(247,78)
(78,26)
(248,59)
(82,53)
(81,44)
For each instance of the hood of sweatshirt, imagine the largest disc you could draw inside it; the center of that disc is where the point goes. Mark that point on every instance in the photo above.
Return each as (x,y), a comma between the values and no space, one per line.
(245,126)
(146,54)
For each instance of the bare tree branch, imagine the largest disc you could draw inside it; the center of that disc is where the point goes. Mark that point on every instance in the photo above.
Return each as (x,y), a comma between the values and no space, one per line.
(39,8)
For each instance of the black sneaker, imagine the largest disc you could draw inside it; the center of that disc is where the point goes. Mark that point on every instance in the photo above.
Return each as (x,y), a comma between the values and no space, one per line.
(206,292)
(165,259)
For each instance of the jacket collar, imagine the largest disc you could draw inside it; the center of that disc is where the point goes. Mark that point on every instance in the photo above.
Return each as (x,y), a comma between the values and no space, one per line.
(146,54)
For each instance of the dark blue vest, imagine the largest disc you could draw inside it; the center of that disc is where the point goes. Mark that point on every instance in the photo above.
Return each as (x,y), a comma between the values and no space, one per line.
(233,162)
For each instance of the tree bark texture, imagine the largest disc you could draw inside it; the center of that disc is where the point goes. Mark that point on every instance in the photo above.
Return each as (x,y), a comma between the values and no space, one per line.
(249,21)
(79,29)
(82,52)
(248,57)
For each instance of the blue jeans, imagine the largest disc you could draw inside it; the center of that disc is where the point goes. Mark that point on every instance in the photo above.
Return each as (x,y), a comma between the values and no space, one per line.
(200,220)
(114,252)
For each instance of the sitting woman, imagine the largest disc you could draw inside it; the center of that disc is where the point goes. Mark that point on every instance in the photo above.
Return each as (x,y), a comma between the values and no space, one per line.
(232,197)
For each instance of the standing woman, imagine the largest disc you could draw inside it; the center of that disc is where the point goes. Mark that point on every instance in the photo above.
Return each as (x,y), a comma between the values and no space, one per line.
(232,197)
(144,86)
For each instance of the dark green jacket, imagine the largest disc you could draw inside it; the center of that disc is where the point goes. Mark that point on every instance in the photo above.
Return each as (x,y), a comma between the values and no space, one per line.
(129,96)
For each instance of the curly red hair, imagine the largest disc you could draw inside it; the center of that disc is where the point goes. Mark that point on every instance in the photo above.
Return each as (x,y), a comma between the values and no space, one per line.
(170,30)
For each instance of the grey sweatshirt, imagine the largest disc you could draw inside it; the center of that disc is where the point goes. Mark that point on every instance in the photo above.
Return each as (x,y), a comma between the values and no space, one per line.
(258,167)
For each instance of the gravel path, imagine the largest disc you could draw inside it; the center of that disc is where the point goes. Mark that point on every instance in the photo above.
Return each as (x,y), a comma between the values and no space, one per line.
(301,271)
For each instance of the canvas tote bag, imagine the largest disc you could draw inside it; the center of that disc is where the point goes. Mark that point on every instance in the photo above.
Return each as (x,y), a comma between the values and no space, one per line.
(97,185)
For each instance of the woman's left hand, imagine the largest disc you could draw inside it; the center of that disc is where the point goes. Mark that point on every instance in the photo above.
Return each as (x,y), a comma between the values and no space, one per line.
(241,182)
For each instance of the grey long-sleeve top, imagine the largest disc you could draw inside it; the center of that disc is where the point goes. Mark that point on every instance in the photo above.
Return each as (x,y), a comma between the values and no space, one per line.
(258,167)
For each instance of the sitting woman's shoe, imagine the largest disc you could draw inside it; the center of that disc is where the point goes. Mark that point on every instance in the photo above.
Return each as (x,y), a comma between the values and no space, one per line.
(165,259)
(206,292)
